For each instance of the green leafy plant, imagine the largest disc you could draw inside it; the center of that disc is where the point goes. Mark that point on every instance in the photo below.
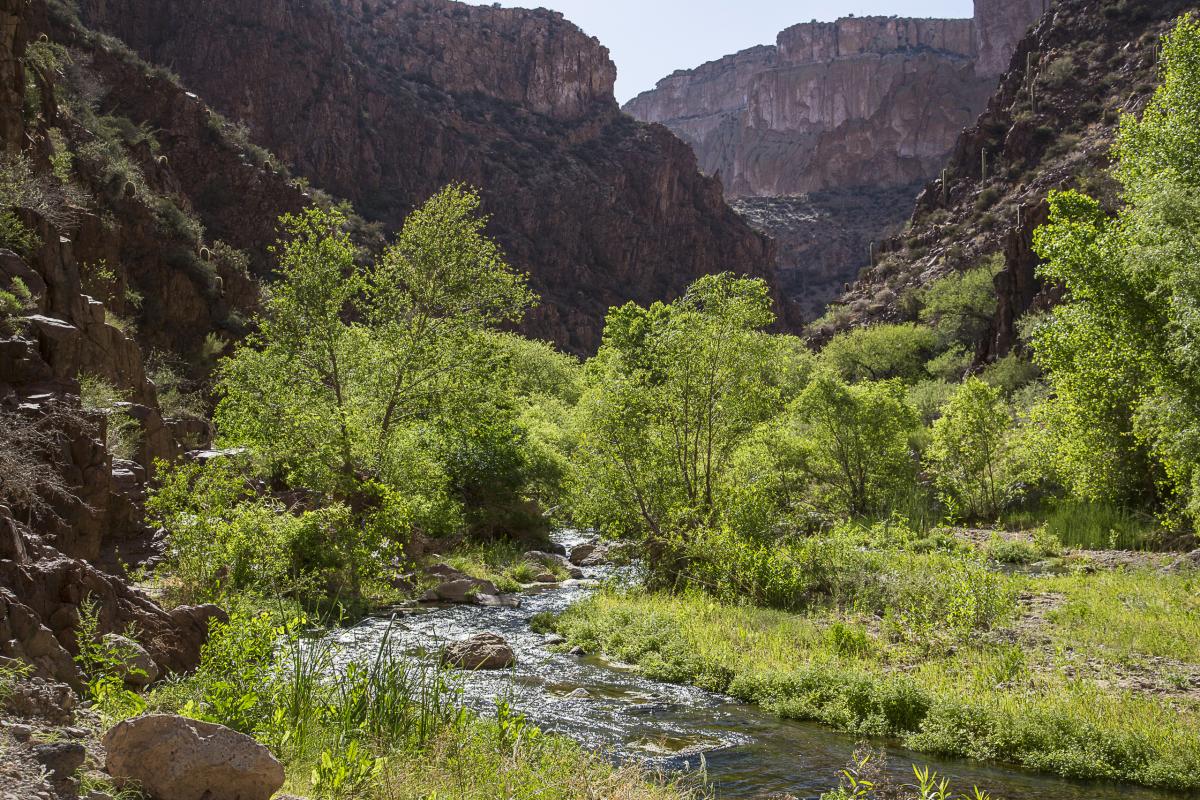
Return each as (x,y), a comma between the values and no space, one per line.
(106,664)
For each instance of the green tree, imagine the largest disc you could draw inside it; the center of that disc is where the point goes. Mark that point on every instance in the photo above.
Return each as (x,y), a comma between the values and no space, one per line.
(852,443)
(880,352)
(961,306)
(969,455)
(1121,353)
(674,390)
(386,380)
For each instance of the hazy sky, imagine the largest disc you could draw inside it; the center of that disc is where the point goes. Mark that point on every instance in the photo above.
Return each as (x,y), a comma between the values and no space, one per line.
(649,39)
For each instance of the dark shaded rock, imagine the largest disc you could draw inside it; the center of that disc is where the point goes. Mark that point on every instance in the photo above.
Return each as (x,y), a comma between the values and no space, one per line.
(598,208)
(61,759)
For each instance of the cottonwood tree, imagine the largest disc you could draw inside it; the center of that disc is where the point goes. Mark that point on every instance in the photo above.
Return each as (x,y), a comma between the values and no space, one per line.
(386,374)
(673,391)
(1122,354)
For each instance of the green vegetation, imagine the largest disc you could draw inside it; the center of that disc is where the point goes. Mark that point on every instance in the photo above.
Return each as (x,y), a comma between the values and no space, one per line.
(788,507)
(1119,354)
(792,509)
(378,727)
(865,779)
(931,674)
(122,433)
(15,301)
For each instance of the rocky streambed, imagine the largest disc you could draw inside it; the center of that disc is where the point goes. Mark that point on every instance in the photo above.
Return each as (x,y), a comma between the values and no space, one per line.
(608,706)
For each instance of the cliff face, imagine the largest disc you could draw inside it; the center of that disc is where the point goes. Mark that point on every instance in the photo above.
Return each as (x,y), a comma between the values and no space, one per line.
(385,101)
(1057,136)
(999,27)
(861,101)
(870,104)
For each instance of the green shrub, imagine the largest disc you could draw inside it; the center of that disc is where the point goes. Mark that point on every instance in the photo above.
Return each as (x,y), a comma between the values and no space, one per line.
(14,302)
(16,235)
(961,305)
(951,365)
(969,453)
(122,432)
(1011,373)
(851,444)
(225,537)
(880,352)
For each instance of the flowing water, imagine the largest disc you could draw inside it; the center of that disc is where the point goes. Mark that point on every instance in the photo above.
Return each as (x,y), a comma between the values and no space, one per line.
(747,753)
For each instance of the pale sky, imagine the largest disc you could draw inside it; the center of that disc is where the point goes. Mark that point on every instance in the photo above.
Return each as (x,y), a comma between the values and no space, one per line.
(649,39)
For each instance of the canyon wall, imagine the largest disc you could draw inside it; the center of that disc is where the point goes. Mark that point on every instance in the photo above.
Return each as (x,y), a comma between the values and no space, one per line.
(1090,63)
(861,108)
(383,102)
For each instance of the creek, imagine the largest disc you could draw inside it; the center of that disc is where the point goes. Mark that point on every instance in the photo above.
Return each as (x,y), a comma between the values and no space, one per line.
(746,752)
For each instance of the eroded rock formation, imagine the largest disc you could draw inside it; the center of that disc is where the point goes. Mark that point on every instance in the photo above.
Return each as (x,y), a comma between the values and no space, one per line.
(861,106)
(385,102)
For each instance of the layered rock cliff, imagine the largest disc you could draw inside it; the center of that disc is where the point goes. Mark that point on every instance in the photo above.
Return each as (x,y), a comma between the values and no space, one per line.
(1050,125)
(385,101)
(860,107)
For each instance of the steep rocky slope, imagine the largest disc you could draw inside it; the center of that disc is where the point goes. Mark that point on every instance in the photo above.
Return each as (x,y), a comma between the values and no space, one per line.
(862,107)
(385,101)
(126,201)
(1050,125)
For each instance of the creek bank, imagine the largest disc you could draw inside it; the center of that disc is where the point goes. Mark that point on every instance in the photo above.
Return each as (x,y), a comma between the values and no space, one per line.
(616,708)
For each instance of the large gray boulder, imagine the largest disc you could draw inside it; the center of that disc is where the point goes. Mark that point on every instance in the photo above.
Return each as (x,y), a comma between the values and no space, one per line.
(175,758)
(481,651)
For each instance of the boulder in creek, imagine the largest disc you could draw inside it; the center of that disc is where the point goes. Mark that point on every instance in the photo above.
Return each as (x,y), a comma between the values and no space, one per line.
(175,758)
(553,560)
(481,651)
(462,590)
(589,554)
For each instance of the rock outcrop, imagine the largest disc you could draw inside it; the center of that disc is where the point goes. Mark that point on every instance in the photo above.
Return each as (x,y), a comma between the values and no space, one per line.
(121,242)
(999,27)
(861,101)
(175,758)
(383,103)
(863,105)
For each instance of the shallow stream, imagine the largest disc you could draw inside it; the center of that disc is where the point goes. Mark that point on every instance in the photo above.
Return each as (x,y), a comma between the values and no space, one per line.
(747,753)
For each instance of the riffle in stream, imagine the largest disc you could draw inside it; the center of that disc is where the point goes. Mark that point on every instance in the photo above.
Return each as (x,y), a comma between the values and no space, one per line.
(747,753)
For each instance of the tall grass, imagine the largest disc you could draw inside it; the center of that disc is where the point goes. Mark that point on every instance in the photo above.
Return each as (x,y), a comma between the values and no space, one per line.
(984,698)
(1084,525)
